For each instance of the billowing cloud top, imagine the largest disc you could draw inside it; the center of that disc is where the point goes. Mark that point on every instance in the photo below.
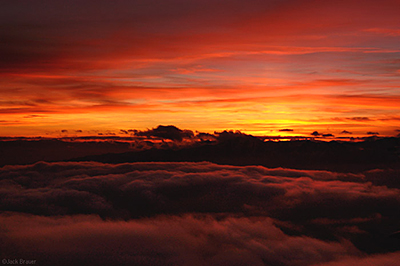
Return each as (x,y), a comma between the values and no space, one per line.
(196,214)
(166,132)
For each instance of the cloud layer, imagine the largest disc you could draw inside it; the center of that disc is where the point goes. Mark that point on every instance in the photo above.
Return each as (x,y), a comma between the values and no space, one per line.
(187,240)
(171,144)
(188,213)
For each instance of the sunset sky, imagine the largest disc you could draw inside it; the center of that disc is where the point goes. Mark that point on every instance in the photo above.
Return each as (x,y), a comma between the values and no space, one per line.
(200,132)
(256,66)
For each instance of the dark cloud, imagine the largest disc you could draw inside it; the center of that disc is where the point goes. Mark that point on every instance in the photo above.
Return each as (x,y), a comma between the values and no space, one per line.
(64,131)
(241,139)
(226,147)
(343,211)
(30,150)
(346,132)
(187,240)
(286,130)
(327,135)
(316,134)
(34,116)
(379,177)
(167,132)
(206,136)
(390,259)
(359,118)
(372,133)
(58,33)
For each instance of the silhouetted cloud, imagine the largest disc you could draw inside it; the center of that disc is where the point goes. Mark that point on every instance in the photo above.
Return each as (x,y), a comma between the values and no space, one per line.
(226,147)
(166,132)
(327,135)
(237,136)
(346,132)
(362,118)
(206,136)
(372,133)
(34,116)
(316,134)
(286,130)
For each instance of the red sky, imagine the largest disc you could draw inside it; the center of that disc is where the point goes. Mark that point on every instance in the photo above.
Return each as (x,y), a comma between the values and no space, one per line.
(255,66)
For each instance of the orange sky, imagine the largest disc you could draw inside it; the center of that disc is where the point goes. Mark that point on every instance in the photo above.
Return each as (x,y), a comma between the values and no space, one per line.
(255,66)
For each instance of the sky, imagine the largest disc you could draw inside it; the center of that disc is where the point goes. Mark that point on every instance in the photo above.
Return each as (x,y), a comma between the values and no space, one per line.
(254,66)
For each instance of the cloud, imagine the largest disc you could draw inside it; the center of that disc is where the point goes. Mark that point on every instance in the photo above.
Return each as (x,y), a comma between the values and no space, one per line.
(390,259)
(346,132)
(388,177)
(372,133)
(321,205)
(164,240)
(226,147)
(81,64)
(206,136)
(286,130)
(385,32)
(34,116)
(167,132)
(30,150)
(241,140)
(315,133)
(359,118)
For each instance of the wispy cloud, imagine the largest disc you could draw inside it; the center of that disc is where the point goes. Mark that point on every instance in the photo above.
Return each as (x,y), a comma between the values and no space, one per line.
(173,60)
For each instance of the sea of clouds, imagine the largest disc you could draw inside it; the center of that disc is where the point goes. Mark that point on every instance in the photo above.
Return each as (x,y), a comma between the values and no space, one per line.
(197,214)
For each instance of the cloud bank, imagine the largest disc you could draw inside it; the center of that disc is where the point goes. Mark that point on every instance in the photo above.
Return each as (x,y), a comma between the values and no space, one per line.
(197,214)
(187,240)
